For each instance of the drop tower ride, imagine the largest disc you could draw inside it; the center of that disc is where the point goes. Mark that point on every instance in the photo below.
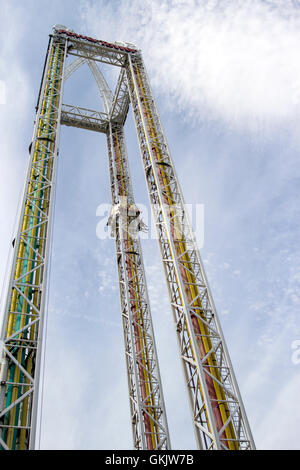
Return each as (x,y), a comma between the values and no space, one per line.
(217,411)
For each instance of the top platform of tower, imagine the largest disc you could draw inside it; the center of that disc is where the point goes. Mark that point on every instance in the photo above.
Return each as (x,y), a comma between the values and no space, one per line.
(120,46)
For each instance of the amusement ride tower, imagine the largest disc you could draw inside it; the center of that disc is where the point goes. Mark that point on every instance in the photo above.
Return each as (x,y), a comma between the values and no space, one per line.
(218,414)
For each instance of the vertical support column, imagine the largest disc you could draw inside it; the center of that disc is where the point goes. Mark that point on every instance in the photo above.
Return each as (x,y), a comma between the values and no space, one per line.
(218,413)
(22,331)
(147,408)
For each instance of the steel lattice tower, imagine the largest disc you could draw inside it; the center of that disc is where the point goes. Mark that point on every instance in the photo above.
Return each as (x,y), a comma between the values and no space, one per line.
(218,414)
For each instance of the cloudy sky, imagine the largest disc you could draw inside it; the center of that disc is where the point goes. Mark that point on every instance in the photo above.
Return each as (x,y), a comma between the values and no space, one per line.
(226,78)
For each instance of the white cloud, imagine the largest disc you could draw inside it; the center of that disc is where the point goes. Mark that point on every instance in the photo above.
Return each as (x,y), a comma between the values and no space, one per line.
(279,425)
(232,60)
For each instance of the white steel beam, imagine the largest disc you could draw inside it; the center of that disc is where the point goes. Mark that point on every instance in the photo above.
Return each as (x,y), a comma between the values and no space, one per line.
(84,118)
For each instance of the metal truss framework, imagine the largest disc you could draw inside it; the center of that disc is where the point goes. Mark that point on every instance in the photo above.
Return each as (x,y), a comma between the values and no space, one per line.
(218,414)
(148,416)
